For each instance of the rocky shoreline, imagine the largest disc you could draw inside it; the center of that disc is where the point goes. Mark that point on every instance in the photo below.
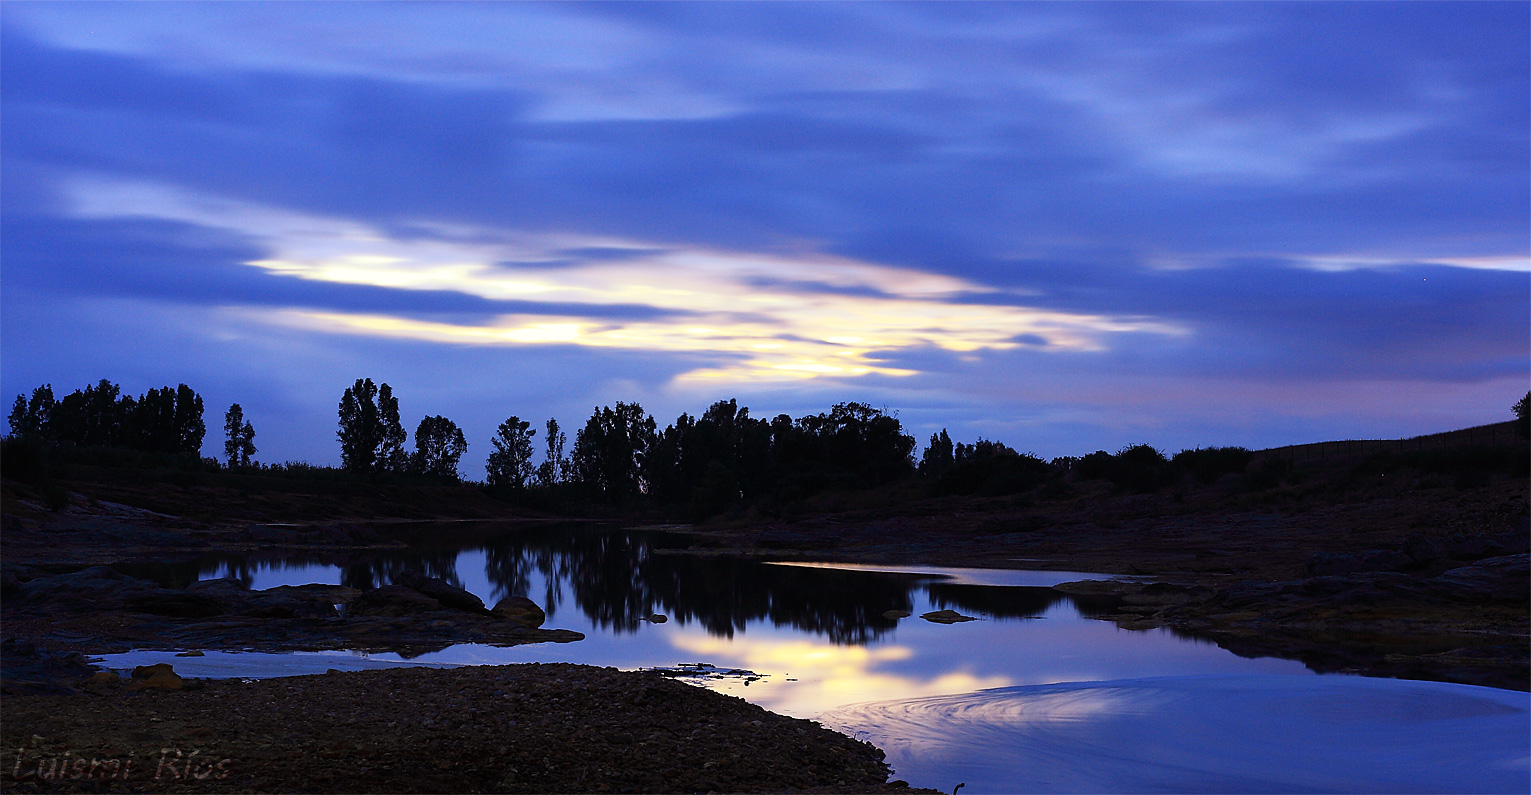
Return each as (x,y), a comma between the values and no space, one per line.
(515,728)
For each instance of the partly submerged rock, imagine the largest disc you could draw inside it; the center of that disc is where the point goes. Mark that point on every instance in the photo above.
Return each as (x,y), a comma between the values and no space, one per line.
(442,591)
(946,617)
(895,614)
(392,600)
(520,610)
(159,676)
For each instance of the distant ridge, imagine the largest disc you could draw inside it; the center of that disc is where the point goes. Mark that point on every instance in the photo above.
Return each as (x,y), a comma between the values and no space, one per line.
(1498,434)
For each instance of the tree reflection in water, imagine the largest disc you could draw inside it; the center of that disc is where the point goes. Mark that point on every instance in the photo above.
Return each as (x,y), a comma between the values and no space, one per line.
(618,578)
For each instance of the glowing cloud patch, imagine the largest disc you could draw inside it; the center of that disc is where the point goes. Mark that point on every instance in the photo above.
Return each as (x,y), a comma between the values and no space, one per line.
(764,317)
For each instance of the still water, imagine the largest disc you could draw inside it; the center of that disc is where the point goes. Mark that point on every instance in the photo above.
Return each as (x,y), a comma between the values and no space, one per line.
(810,640)
(815,634)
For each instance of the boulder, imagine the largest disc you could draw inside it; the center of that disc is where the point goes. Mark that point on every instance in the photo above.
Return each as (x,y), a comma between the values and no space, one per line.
(159,676)
(520,610)
(297,601)
(895,614)
(442,591)
(1424,550)
(392,600)
(658,618)
(92,583)
(1502,579)
(176,604)
(946,617)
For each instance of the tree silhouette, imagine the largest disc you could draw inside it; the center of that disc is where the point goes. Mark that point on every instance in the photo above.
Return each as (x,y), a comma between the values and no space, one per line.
(510,462)
(189,427)
(30,418)
(439,445)
(938,456)
(1522,414)
(371,437)
(611,451)
(240,434)
(554,468)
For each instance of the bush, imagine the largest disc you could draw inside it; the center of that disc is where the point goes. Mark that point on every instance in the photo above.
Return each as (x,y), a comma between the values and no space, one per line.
(1268,473)
(1209,464)
(1141,468)
(26,460)
(995,475)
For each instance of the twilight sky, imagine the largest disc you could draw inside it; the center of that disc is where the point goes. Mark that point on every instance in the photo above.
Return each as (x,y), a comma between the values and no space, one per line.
(1066,227)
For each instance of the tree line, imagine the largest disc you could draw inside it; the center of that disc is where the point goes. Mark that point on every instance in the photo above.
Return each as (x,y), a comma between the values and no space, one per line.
(700,465)
(621,457)
(159,421)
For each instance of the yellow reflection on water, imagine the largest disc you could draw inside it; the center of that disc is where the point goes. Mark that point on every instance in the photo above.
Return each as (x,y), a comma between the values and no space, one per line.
(828,675)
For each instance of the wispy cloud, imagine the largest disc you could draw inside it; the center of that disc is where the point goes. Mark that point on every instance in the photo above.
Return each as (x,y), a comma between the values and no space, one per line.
(762,317)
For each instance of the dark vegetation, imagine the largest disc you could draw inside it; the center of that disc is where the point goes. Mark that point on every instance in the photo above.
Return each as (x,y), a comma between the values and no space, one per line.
(723,462)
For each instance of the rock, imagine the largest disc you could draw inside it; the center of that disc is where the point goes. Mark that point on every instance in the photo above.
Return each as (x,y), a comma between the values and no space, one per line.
(1513,542)
(159,676)
(1385,560)
(946,617)
(86,583)
(392,600)
(177,604)
(658,618)
(104,678)
(895,614)
(268,536)
(192,653)
(442,591)
(225,587)
(520,610)
(1323,564)
(1424,550)
(1501,579)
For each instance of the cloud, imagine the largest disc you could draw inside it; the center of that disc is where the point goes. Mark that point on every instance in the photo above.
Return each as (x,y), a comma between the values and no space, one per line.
(983,197)
(764,316)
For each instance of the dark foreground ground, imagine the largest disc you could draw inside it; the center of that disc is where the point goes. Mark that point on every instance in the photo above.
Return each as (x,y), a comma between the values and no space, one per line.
(518,728)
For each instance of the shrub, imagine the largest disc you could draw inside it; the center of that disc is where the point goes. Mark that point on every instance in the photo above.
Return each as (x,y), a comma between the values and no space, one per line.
(1209,464)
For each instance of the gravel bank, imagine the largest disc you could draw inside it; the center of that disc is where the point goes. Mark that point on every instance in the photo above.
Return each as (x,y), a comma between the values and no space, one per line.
(519,728)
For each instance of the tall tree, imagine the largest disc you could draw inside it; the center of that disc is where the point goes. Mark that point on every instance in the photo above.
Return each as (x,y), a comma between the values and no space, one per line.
(938,456)
(439,445)
(239,446)
(510,462)
(371,437)
(554,468)
(30,418)
(189,427)
(611,451)
(391,456)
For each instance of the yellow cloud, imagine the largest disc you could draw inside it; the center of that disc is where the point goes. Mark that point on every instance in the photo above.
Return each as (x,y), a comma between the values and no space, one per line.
(766,316)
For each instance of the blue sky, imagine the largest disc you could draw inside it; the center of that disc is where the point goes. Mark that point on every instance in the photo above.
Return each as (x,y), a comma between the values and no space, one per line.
(1066,227)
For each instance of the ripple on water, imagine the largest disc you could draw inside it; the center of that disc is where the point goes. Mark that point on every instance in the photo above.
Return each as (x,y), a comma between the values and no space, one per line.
(1208,734)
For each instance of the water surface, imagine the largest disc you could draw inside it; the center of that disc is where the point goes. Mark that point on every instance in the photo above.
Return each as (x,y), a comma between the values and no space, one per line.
(1035,696)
